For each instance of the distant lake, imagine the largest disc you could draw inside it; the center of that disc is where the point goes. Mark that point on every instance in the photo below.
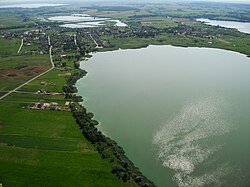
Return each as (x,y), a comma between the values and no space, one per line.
(29,5)
(84,21)
(75,18)
(241,26)
(181,114)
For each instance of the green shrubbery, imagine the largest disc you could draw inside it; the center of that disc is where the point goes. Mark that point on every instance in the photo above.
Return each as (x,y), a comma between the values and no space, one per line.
(122,167)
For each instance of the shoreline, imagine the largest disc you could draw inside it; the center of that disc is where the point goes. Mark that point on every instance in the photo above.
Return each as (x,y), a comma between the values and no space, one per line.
(173,45)
(85,132)
(122,166)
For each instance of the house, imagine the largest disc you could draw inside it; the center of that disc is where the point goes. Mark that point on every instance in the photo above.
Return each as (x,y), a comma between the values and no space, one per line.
(43,83)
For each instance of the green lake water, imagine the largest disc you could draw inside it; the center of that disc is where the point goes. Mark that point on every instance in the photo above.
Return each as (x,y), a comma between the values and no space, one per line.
(182,115)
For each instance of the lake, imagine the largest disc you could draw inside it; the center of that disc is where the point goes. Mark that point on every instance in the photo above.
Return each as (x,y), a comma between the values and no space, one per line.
(240,26)
(84,21)
(181,114)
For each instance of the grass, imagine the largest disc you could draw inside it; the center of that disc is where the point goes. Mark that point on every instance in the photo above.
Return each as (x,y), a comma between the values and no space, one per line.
(111,43)
(42,147)
(33,98)
(60,144)
(46,148)
(157,22)
(34,46)
(11,83)
(234,43)
(17,65)
(7,20)
(57,77)
(9,47)
(29,60)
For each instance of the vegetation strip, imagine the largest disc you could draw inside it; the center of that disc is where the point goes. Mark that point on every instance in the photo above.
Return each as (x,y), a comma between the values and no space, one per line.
(122,167)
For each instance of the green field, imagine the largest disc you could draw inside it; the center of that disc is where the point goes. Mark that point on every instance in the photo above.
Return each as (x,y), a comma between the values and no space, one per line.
(46,148)
(33,98)
(8,20)
(240,43)
(55,79)
(15,70)
(29,60)
(34,46)
(9,47)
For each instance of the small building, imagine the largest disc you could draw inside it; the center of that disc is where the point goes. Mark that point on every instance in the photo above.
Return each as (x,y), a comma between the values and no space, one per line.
(52,107)
(54,103)
(42,83)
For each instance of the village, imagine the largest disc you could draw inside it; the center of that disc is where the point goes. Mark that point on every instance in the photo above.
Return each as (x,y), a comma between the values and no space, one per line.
(41,105)
(85,40)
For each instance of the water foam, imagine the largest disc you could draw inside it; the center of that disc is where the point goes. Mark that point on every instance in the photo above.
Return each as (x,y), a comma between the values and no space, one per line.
(187,141)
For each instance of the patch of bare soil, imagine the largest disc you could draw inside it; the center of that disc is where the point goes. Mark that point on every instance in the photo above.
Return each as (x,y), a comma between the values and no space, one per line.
(184,20)
(30,71)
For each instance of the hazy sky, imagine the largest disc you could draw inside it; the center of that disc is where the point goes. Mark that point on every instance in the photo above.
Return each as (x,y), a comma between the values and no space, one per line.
(89,1)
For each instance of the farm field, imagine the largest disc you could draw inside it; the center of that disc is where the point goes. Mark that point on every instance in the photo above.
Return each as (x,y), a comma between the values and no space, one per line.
(8,20)
(46,148)
(9,47)
(15,70)
(54,80)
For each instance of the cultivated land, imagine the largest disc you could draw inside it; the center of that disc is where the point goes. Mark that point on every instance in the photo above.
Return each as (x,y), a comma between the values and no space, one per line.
(45,147)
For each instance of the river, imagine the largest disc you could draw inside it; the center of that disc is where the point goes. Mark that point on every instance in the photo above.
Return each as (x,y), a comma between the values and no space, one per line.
(240,26)
(181,114)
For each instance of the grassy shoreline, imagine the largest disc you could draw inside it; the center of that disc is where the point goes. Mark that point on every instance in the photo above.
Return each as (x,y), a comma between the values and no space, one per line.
(122,167)
(139,45)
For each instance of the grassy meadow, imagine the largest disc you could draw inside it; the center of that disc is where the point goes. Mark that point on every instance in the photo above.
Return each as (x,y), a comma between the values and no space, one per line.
(8,20)
(46,148)
(9,47)
(43,147)
(55,80)
(16,69)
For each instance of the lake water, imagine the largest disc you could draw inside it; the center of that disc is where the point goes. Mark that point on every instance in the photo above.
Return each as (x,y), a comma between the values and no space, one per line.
(83,25)
(75,18)
(84,21)
(241,26)
(181,114)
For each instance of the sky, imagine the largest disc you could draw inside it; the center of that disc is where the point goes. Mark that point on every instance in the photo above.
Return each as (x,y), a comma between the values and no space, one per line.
(89,1)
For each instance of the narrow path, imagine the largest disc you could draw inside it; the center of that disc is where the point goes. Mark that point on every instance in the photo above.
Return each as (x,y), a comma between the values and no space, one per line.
(76,42)
(20,48)
(49,42)
(27,82)
(97,46)
(51,57)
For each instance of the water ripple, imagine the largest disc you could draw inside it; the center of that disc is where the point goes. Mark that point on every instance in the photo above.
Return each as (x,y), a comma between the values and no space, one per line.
(186,141)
